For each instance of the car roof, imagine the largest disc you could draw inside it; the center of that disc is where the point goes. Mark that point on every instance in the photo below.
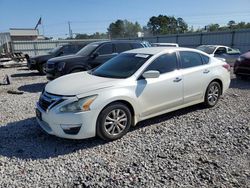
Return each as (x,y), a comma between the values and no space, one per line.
(156,50)
(210,45)
(167,43)
(118,41)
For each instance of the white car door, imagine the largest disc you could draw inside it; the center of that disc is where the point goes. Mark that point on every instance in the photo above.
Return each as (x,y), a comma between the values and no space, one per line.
(156,95)
(196,75)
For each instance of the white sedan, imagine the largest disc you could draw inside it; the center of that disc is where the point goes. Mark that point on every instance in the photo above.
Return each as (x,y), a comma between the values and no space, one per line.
(134,86)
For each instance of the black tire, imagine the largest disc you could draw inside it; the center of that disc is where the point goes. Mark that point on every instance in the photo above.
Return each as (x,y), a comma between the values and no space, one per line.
(42,68)
(212,95)
(111,130)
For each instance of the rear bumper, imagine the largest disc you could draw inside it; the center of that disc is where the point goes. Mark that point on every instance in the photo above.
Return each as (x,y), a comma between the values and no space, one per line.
(242,70)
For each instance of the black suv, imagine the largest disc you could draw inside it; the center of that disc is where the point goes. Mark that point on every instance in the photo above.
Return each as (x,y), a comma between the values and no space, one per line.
(91,56)
(39,62)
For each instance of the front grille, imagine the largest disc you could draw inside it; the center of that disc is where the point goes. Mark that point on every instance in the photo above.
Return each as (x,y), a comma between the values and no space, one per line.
(44,104)
(48,100)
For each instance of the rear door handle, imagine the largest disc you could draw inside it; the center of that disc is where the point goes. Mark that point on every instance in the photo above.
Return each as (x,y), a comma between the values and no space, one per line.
(206,71)
(177,79)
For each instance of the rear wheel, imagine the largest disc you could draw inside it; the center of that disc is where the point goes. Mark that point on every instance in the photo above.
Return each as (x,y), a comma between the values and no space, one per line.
(212,95)
(113,122)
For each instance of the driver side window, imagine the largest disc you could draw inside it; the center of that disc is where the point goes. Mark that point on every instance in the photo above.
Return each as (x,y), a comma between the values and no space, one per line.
(105,49)
(164,63)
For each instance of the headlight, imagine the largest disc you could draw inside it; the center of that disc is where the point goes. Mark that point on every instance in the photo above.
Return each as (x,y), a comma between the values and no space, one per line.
(60,66)
(240,59)
(80,105)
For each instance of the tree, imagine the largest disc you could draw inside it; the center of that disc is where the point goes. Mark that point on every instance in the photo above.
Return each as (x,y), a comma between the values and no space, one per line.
(96,35)
(182,26)
(116,29)
(213,27)
(166,25)
(231,24)
(123,28)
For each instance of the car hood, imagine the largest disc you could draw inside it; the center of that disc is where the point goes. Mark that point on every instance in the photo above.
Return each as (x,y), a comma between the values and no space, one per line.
(79,83)
(47,56)
(66,58)
(246,55)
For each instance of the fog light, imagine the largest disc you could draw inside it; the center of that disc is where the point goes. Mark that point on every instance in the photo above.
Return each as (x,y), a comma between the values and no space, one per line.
(71,128)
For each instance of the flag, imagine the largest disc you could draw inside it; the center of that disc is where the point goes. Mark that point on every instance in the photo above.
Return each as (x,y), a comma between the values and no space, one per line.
(39,22)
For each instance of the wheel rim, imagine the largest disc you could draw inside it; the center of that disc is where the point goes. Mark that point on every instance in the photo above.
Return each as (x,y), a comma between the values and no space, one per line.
(115,122)
(213,94)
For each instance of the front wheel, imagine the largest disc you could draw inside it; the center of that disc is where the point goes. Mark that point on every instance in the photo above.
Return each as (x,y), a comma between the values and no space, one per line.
(212,95)
(42,68)
(113,122)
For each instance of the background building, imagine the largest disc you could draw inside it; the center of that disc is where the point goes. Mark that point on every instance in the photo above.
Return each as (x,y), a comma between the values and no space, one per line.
(24,34)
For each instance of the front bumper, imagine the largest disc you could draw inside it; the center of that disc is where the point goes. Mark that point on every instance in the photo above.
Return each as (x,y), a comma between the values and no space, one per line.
(242,70)
(54,123)
(31,64)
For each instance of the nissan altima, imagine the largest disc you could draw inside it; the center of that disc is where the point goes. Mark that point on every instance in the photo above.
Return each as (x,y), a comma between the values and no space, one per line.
(134,86)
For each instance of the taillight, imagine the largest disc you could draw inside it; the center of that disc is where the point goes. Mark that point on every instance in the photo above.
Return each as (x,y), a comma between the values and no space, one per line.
(226,66)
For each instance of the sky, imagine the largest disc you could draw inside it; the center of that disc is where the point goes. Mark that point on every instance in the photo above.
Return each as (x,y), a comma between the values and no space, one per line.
(89,16)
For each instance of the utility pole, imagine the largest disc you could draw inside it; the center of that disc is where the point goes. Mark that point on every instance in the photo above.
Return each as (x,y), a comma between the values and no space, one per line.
(70,31)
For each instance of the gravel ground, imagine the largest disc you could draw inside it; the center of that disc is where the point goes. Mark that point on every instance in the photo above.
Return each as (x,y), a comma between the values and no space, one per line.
(192,147)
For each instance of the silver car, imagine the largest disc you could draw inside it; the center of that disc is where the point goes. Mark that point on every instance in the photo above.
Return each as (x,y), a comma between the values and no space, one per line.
(222,52)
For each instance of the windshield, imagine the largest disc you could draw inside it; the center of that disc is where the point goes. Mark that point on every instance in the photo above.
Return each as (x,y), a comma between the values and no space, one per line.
(207,49)
(85,51)
(121,66)
(55,50)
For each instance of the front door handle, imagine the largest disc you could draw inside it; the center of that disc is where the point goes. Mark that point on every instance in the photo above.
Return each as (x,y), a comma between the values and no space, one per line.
(206,71)
(177,79)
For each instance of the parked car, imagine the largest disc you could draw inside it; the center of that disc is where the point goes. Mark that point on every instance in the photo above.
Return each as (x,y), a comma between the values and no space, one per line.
(224,52)
(39,62)
(91,56)
(134,86)
(165,44)
(242,65)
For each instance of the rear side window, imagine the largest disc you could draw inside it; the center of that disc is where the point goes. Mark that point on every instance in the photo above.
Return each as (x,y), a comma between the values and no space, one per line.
(190,59)
(164,63)
(136,45)
(121,47)
(105,49)
(205,58)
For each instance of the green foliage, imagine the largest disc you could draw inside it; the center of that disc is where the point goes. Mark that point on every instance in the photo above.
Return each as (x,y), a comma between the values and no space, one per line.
(161,25)
(158,25)
(96,35)
(123,28)
(231,25)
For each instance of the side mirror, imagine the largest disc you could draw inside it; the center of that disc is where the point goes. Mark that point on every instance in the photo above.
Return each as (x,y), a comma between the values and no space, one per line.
(151,74)
(94,55)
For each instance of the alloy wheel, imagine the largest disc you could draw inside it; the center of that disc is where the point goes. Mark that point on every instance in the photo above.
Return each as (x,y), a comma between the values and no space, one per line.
(115,122)
(213,94)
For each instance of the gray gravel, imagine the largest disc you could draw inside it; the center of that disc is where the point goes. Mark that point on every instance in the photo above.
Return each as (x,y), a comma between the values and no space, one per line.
(193,147)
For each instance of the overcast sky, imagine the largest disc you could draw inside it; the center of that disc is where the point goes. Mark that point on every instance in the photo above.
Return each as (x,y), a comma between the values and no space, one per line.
(89,16)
